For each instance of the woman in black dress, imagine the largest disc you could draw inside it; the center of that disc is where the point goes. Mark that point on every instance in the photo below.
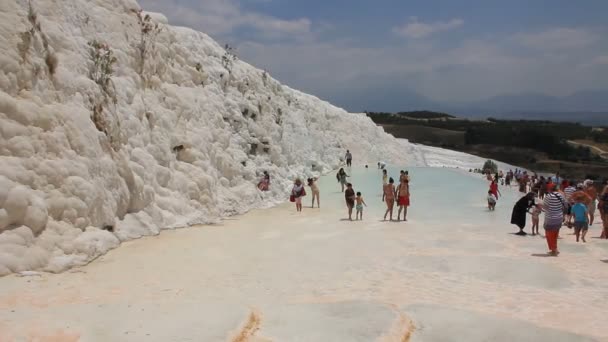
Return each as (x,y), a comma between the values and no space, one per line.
(518,217)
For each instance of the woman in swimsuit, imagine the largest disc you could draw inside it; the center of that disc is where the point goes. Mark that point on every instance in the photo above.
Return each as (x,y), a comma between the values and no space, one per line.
(349,196)
(389,198)
(314,188)
(341,176)
(384,182)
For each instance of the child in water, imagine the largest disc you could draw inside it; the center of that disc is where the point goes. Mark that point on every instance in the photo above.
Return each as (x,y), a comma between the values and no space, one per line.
(491,201)
(536,210)
(360,204)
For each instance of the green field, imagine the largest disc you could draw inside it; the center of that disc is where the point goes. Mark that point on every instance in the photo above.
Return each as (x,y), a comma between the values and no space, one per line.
(544,146)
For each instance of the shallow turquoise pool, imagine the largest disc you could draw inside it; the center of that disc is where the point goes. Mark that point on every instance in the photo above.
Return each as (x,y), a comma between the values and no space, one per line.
(437,194)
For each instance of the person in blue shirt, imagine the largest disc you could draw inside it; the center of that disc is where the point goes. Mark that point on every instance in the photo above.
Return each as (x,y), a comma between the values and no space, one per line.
(581,223)
(556,179)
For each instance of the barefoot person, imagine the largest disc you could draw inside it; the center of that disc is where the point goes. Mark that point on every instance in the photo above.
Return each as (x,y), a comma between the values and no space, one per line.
(554,207)
(341,176)
(580,212)
(494,189)
(389,198)
(403,195)
(520,209)
(360,204)
(491,201)
(349,196)
(297,192)
(384,182)
(349,158)
(535,212)
(314,189)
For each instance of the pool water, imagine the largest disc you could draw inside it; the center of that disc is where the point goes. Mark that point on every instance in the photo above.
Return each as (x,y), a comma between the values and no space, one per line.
(437,195)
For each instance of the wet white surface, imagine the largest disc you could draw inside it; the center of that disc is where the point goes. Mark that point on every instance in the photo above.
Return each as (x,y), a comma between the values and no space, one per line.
(454,272)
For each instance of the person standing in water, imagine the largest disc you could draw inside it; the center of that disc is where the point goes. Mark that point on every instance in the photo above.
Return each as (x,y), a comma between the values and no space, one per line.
(297,192)
(349,196)
(341,176)
(360,204)
(491,201)
(403,195)
(384,182)
(494,189)
(314,188)
(389,197)
(349,158)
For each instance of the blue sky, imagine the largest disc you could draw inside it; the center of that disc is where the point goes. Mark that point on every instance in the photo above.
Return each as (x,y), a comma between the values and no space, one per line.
(364,54)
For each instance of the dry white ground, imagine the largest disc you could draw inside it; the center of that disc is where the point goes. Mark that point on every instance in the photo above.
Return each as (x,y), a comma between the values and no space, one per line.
(452,273)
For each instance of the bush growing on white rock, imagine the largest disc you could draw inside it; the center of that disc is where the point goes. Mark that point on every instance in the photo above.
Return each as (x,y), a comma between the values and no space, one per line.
(178,149)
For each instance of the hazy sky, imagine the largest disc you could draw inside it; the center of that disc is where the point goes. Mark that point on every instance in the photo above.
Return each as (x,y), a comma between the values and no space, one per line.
(449,50)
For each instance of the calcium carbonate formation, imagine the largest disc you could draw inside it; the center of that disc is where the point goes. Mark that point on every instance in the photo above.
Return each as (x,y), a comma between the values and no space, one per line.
(115,125)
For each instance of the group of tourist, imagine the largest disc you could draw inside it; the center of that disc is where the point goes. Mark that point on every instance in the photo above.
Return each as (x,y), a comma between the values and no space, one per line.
(298,192)
(391,194)
(563,202)
(399,194)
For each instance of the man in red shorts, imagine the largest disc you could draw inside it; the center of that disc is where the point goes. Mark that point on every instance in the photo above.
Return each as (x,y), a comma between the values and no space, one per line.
(403,197)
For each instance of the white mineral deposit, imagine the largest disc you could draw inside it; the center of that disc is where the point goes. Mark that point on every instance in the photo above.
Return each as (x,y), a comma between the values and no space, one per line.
(117,128)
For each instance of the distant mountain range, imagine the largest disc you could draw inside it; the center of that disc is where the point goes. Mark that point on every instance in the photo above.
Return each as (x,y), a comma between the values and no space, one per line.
(588,107)
(534,102)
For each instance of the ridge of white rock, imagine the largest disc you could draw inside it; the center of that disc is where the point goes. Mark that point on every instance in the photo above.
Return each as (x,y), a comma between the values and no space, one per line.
(112,118)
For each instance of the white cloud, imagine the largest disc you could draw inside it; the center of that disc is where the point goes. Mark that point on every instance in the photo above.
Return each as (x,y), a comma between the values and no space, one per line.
(560,38)
(223,17)
(311,58)
(415,29)
(597,61)
(600,60)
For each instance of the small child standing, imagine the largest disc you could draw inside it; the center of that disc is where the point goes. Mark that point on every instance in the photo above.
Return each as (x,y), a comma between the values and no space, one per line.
(581,223)
(491,201)
(536,210)
(360,204)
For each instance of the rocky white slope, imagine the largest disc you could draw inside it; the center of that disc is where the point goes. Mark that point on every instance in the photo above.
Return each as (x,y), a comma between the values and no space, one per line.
(112,118)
